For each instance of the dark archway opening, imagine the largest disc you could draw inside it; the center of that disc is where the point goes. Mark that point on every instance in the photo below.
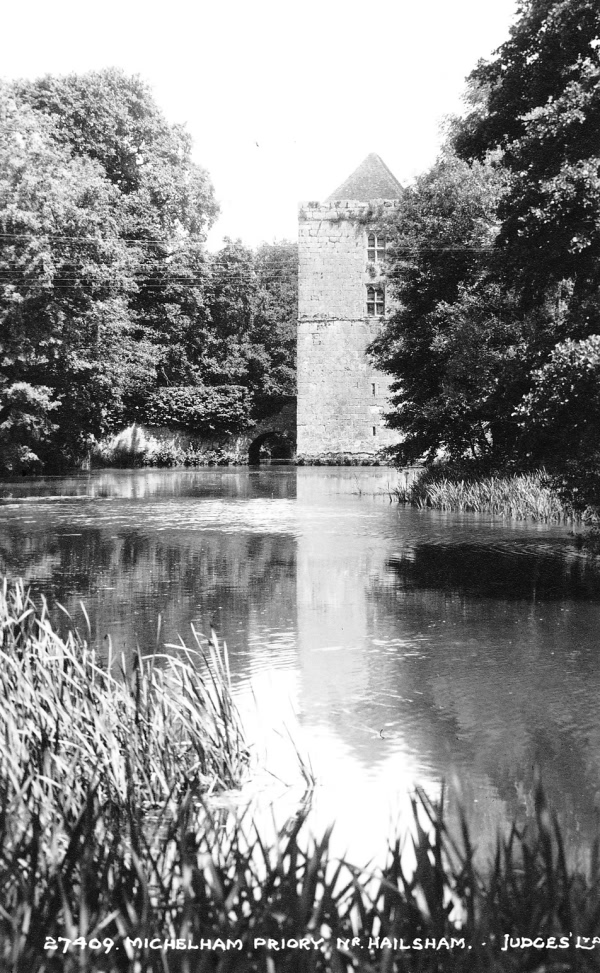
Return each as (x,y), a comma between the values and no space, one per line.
(274,447)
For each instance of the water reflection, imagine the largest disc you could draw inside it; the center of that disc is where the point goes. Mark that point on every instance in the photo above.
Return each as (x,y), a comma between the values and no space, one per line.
(142,484)
(515,570)
(409,647)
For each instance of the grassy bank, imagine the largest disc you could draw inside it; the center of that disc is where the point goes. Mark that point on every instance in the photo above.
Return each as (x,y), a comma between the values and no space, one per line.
(106,841)
(520,496)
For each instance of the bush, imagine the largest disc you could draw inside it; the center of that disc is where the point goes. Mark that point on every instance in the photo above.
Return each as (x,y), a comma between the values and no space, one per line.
(222,409)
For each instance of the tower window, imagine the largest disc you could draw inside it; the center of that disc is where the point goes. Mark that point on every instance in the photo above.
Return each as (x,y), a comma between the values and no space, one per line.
(375,301)
(375,248)
(374,430)
(373,388)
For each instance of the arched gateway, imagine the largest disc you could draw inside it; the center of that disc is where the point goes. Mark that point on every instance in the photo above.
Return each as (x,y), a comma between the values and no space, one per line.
(275,435)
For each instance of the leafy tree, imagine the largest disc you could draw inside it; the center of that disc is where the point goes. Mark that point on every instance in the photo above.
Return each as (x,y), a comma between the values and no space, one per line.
(495,256)
(455,343)
(538,107)
(111,309)
(165,202)
(561,419)
(100,207)
(254,304)
(241,328)
(65,277)
(25,422)
(231,308)
(276,321)
(112,118)
(225,333)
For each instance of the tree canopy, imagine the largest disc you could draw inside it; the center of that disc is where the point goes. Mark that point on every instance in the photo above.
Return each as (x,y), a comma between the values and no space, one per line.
(454,343)
(112,119)
(538,107)
(66,277)
(561,418)
(108,296)
(226,345)
(495,253)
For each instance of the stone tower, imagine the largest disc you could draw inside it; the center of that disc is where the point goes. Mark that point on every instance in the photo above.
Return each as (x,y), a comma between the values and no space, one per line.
(342,301)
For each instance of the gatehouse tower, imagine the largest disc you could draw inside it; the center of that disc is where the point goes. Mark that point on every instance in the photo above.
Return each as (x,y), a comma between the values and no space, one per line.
(342,302)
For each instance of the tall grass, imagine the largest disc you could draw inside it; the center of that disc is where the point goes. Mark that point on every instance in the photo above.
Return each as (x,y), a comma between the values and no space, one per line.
(108,850)
(70,720)
(120,893)
(520,496)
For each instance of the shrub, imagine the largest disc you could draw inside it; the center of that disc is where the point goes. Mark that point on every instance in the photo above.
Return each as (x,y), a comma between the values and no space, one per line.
(221,409)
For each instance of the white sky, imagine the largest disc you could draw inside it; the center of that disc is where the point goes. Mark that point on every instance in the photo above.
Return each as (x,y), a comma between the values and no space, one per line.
(283,99)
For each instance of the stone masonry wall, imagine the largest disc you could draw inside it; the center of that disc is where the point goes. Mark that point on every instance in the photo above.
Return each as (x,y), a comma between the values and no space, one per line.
(341,397)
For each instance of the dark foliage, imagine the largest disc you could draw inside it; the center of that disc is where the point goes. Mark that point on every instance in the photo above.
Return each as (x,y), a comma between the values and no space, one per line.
(107,293)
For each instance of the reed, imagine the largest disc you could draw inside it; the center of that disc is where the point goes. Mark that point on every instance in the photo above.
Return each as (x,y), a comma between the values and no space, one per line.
(109,850)
(142,734)
(520,496)
(119,893)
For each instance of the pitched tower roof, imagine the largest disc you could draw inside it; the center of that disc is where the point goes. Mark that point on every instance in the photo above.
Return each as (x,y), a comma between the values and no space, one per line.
(372,180)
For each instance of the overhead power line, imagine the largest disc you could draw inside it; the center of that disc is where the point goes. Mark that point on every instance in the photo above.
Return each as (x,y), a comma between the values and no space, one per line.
(213,272)
(148,241)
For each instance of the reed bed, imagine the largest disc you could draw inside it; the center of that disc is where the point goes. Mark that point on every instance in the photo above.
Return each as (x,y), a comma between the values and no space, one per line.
(522,496)
(111,860)
(70,721)
(193,895)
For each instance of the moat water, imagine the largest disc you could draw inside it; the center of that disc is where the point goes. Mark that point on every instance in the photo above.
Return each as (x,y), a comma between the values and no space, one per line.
(399,648)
